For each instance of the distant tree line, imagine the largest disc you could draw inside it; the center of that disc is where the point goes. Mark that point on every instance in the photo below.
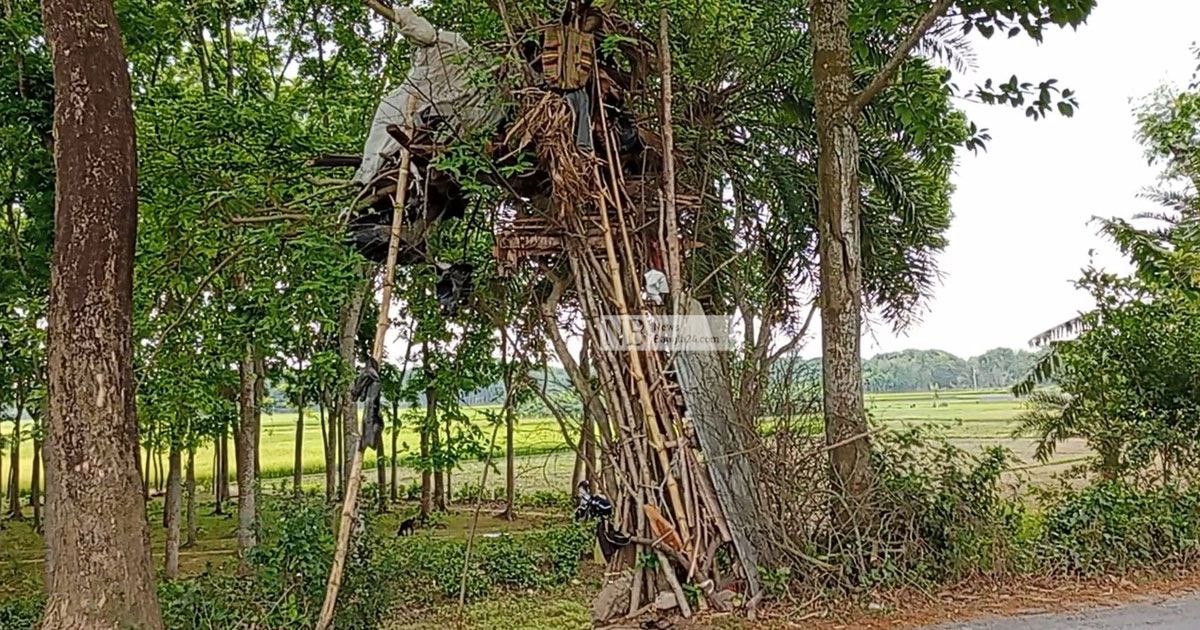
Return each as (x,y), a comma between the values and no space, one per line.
(913,370)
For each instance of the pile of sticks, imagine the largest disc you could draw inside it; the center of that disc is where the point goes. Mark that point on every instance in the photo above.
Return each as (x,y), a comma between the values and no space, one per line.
(664,493)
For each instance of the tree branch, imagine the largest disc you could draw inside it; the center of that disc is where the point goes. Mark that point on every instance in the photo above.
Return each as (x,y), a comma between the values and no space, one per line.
(268,218)
(890,68)
(386,12)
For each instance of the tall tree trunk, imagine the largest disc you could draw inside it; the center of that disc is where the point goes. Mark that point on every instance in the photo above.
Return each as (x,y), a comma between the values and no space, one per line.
(174,511)
(339,444)
(841,266)
(245,447)
(159,477)
(381,474)
(145,478)
(434,451)
(260,393)
(426,476)
(14,469)
(191,498)
(35,485)
(395,462)
(98,567)
(349,416)
(221,480)
(510,460)
(298,464)
(449,485)
(328,441)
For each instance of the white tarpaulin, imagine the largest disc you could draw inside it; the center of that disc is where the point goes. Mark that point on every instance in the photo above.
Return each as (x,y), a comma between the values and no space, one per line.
(439,81)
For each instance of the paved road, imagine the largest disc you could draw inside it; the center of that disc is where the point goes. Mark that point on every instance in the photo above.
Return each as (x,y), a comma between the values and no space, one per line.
(1171,614)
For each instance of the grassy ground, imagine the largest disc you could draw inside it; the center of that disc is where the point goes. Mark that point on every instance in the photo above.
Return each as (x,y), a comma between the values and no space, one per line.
(973,420)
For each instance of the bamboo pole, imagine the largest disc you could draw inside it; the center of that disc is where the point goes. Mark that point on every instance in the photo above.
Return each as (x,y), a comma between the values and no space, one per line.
(354,481)
(674,257)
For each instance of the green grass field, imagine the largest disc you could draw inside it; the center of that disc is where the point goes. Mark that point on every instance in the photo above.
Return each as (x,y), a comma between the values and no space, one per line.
(965,416)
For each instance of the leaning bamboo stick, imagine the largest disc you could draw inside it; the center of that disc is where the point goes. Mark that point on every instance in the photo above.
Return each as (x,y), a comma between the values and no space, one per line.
(354,481)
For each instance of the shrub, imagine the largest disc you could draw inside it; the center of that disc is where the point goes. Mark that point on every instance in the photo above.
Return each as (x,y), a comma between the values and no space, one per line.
(287,587)
(21,613)
(944,515)
(543,558)
(1114,526)
(547,499)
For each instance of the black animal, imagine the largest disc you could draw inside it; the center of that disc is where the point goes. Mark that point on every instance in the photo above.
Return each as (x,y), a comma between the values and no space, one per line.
(407,527)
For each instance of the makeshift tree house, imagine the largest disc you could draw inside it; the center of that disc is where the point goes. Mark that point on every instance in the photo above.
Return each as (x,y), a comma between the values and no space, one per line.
(601,200)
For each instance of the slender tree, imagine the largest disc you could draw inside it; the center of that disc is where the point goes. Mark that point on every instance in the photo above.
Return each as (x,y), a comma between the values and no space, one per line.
(98,572)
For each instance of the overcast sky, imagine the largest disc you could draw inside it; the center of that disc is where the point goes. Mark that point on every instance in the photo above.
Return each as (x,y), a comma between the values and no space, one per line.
(1020,232)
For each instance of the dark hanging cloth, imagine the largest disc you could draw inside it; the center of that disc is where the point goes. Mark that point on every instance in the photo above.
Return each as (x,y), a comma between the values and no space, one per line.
(367,388)
(454,286)
(611,539)
(581,105)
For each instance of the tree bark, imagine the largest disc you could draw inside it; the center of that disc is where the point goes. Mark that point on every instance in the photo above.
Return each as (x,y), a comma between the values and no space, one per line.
(159,477)
(221,482)
(191,498)
(14,469)
(260,392)
(327,442)
(245,447)
(98,566)
(35,485)
(145,479)
(841,265)
(381,475)
(449,485)
(395,462)
(174,512)
(426,476)
(434,439)
(298,464)
(510,460)
(338,444)
(349,416)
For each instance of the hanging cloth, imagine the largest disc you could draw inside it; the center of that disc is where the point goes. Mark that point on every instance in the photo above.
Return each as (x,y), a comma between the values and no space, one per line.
(368,389)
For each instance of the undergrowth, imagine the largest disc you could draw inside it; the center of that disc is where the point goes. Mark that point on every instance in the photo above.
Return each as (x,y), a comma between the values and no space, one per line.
(286,586)
(944,514)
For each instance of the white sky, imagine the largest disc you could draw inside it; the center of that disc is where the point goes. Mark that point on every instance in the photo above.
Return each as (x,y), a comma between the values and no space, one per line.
(1020,232)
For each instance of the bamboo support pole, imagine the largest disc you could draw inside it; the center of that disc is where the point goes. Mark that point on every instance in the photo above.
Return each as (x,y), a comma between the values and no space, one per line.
(354,481)
(674,256)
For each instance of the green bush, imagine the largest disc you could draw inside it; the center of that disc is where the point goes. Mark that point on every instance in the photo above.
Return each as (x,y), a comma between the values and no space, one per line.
(1115,526)
(290,565)
(943,513)
(20,613)
(546,499)
(536,559)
